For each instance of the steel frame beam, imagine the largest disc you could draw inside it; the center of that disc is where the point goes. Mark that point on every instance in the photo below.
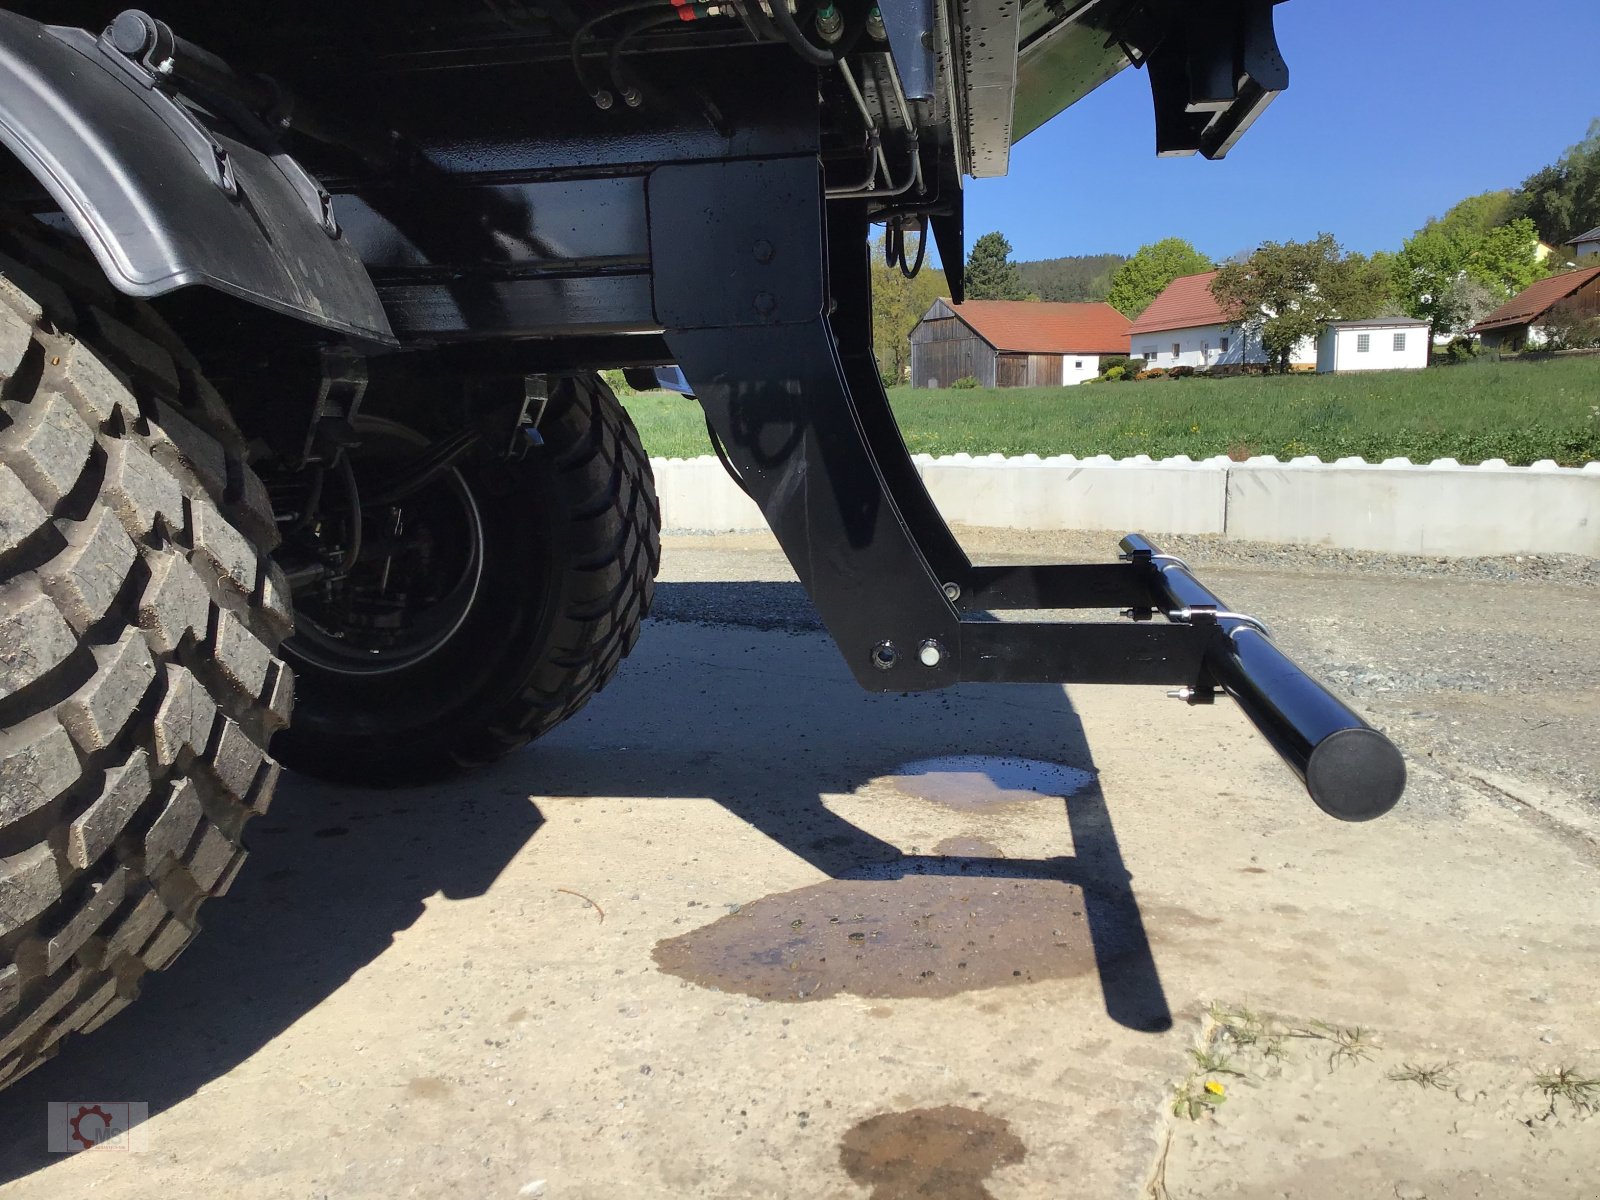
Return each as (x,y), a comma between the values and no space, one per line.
(781,360)
(790,386)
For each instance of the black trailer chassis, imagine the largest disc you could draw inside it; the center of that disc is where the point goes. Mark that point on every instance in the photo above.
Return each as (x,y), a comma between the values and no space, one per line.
(469,210)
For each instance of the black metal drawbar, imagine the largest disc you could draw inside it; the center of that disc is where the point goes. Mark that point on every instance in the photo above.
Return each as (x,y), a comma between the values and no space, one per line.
(1351,770)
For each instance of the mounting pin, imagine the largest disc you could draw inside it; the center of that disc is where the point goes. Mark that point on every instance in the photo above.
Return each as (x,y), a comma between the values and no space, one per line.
(930,653)
(952,592)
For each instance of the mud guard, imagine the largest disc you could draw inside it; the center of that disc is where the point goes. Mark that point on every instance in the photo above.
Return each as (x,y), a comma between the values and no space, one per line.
(166,199)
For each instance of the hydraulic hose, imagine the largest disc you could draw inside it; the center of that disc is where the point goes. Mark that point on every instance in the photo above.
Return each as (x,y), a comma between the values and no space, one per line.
(760,24)
(583,31)
(894,245)
(631,31)
(789,30)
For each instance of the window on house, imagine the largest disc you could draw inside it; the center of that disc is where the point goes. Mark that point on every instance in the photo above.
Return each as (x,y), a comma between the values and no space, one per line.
(1399,342)
(1176,350)
(1151,353)
(1078,365)
(1224,345)
(1363,342)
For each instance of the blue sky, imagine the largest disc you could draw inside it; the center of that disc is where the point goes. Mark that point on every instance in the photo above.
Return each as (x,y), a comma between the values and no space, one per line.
(1394,112)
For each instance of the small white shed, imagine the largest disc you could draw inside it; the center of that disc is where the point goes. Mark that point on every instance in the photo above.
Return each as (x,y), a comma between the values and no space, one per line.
(1381,344)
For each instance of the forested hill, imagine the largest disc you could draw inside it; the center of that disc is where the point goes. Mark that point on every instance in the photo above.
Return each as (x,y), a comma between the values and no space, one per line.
(1077,277)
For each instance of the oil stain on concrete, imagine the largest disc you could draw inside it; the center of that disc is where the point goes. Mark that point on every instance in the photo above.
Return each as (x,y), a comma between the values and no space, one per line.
(968,847)
(986,782)
(920,935)
(428,1087)
(946,1152)
(920,927)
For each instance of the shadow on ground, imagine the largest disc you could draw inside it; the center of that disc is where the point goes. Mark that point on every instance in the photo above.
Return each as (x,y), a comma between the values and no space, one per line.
(761,722)
(333,875)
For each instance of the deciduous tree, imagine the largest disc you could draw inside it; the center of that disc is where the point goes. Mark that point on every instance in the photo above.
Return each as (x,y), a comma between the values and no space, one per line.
(1507,256)
(1428,274)
(1475,215)
(1570,325)
(1288,291)
(897,305)
(1141,279)
(1450,275)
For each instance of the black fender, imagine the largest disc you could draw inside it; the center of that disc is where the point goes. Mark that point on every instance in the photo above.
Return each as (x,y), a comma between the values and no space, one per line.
(166,199)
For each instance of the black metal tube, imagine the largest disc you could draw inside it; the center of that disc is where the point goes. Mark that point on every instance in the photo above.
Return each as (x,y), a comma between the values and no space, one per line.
(1350,769)
(197,70)
(139,35)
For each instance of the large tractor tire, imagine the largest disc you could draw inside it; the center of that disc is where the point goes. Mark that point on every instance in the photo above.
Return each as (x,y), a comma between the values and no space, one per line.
(139,618)
(489,606)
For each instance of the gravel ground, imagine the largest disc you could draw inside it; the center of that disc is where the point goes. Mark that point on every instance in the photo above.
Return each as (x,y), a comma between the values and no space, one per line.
(1200,548)
(1483,670)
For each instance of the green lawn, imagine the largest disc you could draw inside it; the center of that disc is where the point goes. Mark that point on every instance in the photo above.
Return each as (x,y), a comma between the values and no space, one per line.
(1520,411)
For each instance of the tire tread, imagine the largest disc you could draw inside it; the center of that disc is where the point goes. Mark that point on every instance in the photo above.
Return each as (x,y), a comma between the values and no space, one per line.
(131,522)
(615,554)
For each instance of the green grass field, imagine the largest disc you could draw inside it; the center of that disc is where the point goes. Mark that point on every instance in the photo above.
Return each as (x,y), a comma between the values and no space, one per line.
(1521,411)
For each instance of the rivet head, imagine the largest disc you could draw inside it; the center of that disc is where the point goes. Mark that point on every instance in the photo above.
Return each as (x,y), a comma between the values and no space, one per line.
(930,653)
(763,250)
(765,303)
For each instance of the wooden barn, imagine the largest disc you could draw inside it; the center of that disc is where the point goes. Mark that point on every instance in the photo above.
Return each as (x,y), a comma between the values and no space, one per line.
(1014,343)
(1521,322)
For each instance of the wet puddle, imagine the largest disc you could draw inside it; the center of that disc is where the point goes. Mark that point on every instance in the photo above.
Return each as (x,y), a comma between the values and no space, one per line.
(920,935)
(986,782)
(946,1152)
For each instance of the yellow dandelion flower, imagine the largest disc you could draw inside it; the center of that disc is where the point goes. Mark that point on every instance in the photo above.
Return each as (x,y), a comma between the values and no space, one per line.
(1215,1088)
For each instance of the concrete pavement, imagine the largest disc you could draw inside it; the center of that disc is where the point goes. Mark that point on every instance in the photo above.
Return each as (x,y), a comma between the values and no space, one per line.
(741,930)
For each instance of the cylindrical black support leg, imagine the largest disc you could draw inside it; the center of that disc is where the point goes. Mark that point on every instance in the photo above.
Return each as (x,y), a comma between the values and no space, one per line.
(1351,770)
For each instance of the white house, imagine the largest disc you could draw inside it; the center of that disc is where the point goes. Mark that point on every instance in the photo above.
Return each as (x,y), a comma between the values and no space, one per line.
(1586,245)
(1185,326)
(1381,344)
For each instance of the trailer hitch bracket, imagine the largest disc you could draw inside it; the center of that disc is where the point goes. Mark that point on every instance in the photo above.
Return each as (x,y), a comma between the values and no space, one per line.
(798,405)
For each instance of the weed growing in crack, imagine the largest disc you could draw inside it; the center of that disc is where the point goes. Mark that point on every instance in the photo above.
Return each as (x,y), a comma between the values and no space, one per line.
(1210,1061)
(1350,1043)
(1580,1091)
(1247,1030)
(1426,1075)
(1193,1099)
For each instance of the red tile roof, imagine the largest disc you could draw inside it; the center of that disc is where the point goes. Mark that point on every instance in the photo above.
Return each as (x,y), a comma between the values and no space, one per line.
(1183,304)
(1034,327)
(1533,301)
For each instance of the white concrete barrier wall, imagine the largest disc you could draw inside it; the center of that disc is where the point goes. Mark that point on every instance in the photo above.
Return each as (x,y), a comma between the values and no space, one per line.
(1174,495)
(1395,506)
(697,495)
